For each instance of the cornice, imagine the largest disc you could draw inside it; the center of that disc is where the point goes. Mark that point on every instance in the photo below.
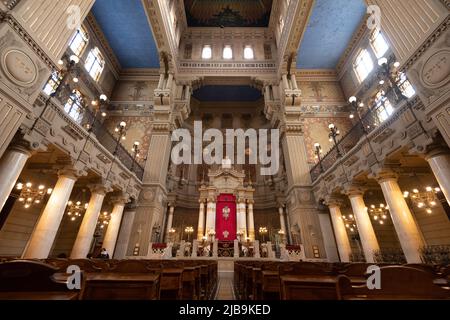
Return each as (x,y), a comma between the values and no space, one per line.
(141,74)
(316,75)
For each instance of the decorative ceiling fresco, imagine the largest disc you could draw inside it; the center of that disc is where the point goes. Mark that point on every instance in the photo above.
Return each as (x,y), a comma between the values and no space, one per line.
(228,13)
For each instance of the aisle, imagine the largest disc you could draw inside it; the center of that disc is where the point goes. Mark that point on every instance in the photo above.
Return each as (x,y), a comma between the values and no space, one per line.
(225,287)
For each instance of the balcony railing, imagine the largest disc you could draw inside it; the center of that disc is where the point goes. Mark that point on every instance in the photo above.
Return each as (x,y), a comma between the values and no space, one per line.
(90,122)
(369,123)
(111,143)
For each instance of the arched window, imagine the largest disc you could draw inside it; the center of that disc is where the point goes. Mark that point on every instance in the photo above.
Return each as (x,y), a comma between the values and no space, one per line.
(79,41)
(74,106)
(95,64)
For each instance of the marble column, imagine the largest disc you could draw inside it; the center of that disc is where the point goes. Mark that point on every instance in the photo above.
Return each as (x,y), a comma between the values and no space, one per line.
(201,221)
(241,219)
(340,232)
(11,165)
(366,232)
(251,221)
(439,161)
(86,232)
(124,234)
(210,217)
(169,221)
(44,234)
(282,220)
(407,231)
(109,242)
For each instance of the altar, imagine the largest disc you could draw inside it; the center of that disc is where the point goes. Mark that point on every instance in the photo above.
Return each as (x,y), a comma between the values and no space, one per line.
(229,207)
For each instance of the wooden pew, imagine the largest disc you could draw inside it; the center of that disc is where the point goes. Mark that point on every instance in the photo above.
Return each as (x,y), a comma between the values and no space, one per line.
(172,280)
(307,281)
(397,283)
(121,286)
(32,280)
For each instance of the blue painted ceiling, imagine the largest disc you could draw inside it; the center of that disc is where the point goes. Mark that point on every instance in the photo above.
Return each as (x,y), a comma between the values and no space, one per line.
(227,93)
(330,30)
(128,32)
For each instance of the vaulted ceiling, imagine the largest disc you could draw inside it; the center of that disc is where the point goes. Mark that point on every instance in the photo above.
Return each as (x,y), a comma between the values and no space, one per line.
(330,30)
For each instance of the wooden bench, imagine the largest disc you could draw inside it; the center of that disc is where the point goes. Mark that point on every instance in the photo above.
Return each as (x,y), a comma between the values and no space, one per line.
(32,280)
(397,283)
(121,286)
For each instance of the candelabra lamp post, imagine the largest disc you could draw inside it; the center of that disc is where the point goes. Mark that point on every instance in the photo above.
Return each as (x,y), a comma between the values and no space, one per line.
(136,151)
(334,133)
(121,135)
(388,75)
(73,61)
(99,108)
(318,152)
(189,231)
(263,232)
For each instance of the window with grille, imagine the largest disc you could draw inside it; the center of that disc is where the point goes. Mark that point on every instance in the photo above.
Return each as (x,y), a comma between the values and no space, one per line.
(79,41)
(379,44)
(53,83)
(363,65)
(95,64)
(74,106)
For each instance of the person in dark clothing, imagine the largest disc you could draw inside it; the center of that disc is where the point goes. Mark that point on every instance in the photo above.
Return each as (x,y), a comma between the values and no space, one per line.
(104,254)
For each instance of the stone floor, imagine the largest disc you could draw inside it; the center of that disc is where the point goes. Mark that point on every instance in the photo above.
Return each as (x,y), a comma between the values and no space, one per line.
(225,289)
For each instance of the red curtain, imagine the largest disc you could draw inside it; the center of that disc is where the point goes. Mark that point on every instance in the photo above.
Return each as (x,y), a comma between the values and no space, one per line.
(226,217)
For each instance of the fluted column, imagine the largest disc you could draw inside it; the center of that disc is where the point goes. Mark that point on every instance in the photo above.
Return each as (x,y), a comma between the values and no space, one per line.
(407,231)
(125,233)
(44,234)
(366,232)
(210,216)
(86,232)
(169,220)
(439,161)
(340,232)
(11,165)
(282,220)
(241,218)
(201,221)
(109,242)
(251,221)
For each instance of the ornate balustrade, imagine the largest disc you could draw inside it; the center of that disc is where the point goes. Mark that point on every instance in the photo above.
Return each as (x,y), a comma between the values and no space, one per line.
(369,126)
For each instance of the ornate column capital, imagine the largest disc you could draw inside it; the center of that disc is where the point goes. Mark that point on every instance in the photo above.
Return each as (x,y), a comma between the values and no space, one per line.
(384,174)
(435,151)
(98,188)
(353,190)
(334,201)
(120,198)
(71,173)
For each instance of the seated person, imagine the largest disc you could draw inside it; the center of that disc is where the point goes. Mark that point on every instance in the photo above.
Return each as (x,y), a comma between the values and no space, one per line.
(103,254)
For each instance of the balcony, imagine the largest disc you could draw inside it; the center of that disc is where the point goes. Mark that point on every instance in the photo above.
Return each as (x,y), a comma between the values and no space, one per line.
(370,127)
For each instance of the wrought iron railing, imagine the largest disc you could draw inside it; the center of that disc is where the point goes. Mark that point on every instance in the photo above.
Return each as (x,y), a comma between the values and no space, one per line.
(370,121)
(111,143)
(90,122)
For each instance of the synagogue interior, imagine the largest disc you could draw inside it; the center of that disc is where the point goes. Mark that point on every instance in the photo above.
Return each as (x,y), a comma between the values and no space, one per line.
(224,149)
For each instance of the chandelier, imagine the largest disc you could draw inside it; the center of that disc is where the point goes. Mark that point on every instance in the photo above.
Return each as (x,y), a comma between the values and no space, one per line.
(30,195)
(76,208)
(425,199)
(380,213)
(350,223)
(103,220)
